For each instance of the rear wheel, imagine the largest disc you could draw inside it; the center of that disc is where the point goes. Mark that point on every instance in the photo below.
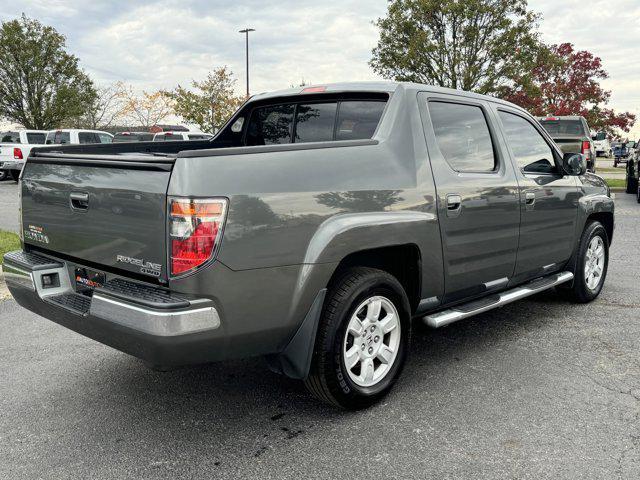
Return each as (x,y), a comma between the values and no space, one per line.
(615,163)
(362,339)
(15,175)
(3,175)
(591,264)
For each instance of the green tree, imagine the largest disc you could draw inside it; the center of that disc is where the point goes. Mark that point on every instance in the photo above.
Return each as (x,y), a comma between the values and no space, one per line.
(476,45)
(41,85)
(211,102)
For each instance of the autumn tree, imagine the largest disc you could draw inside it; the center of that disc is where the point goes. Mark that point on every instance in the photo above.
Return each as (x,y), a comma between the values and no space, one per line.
(147,108)
(107,108)
(210,102)
(565,81)
(475,45)
(41,85)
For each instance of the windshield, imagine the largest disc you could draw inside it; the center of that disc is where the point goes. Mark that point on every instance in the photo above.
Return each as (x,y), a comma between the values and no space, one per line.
(563,127)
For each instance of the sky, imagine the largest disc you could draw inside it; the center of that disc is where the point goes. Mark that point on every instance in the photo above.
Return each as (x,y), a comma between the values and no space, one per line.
(159,44)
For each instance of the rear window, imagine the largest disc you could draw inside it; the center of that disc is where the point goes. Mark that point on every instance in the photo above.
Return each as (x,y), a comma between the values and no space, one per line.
(601,136)
(10,137)
(36,138)
(314,122)
(132,137)
(58,138)
(167,137)
(358,120)
(563,127)
(199,137)
(463,136)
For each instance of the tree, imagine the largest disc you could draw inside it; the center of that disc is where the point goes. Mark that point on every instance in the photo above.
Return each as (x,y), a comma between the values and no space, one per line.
(212,102)
(567,82)
(41,85)
(107,108)
(475,45)
(146,109)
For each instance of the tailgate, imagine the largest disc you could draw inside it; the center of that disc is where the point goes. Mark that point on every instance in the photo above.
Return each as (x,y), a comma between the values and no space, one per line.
(569,144)
(107,211)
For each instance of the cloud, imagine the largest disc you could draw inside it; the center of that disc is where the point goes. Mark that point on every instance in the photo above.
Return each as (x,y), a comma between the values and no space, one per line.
(158,44)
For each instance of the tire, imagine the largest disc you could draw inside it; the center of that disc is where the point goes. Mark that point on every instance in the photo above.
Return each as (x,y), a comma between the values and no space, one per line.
(3,175)
(15,175)
(583,289)
(615,163)
(352,298)
(638,194)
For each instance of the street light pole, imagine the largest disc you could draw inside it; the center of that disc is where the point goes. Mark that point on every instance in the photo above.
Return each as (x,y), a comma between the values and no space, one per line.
(246,36)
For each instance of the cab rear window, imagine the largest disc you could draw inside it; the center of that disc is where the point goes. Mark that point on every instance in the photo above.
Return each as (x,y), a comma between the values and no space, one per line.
(320,121)
(563,127)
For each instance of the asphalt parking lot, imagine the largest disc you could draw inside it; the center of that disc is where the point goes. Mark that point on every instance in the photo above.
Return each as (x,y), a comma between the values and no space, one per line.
(537,389)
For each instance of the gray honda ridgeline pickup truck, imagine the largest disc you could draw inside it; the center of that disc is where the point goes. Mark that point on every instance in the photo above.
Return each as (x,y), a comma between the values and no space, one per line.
(311,231)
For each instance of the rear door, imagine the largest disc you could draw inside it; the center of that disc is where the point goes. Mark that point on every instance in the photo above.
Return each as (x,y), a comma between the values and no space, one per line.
(548,198)
(477,196)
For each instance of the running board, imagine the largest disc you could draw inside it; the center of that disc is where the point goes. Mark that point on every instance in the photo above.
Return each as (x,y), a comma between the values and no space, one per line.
(470,309)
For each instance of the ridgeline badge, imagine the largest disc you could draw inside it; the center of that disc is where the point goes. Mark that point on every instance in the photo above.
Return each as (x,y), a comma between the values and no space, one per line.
(146,268)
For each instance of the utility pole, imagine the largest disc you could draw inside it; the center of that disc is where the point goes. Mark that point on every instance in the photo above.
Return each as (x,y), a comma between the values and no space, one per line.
(246,36)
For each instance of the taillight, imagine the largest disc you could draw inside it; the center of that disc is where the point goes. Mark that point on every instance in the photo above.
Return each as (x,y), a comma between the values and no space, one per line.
(17,154)
(586,147)
(195,231)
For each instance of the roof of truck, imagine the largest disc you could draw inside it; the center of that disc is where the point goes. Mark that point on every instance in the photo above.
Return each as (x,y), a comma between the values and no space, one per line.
(374,86)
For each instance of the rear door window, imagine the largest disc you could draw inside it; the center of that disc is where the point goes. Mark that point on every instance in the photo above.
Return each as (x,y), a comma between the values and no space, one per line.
(358,119)
(270,125)
(10,137)
(87,137)
(36,138)
(463,137)
(58,138)
(532,153)
(315,122)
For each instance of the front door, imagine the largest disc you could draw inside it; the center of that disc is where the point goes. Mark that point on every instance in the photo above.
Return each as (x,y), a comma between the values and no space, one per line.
(477,196)
(548,198)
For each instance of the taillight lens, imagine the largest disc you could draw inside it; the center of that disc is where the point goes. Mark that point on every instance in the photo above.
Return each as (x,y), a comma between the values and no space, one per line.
(17,154)
(195,231)
(586,147)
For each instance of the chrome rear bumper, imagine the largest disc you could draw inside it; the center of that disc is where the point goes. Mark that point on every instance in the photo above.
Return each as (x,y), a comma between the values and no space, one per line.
(154,325)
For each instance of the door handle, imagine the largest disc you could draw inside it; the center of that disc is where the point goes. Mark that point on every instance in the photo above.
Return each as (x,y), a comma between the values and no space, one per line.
(529,199)
(79,201)
(454,204)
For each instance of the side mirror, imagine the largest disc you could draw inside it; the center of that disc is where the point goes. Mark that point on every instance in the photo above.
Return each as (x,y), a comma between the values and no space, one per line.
(574,164)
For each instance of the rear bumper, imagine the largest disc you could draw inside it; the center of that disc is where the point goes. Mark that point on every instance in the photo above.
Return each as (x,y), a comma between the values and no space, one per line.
(11,165)
(172,331)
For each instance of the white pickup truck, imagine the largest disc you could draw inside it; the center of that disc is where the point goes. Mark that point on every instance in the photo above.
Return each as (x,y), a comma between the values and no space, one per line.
(602,145)
(178,136)
(15,146)
(71,136)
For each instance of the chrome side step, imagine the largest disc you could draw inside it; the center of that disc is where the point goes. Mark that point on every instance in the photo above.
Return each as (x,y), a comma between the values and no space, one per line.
(470,309)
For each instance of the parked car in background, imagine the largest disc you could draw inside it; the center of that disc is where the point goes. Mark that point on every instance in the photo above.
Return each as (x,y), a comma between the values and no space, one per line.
(311,230)
(620,153)
(601,145)
(573,135)
(15,146)
(122,137)
(178,136)
(71,136)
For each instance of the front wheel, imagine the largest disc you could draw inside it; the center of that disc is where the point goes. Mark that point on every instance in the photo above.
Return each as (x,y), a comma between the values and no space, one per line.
(591,264)
(362,339)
